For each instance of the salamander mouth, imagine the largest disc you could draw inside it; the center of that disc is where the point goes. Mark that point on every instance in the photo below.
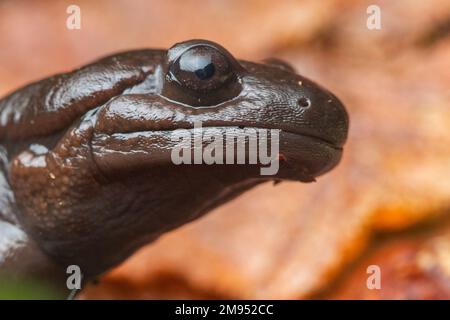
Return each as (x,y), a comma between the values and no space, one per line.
(300,133)
(302,157)
(268,128)
(157,127)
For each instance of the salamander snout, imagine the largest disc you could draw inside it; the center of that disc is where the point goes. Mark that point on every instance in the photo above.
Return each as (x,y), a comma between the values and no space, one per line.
(322,114)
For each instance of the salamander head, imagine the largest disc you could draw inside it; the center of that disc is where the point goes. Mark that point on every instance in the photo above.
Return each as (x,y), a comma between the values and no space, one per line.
(202,83)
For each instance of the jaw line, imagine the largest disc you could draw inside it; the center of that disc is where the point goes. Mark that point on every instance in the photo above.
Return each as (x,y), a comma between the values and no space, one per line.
(235,127)
(108,152)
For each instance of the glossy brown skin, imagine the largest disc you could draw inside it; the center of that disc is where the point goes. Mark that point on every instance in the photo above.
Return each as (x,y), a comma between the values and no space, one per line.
(87,176)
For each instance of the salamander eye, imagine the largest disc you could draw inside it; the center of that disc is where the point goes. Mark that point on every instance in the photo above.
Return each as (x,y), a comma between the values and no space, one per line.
(201,68)
(201,73)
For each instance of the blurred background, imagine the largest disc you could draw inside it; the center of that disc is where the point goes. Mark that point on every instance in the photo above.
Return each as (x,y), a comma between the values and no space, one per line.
(387,204)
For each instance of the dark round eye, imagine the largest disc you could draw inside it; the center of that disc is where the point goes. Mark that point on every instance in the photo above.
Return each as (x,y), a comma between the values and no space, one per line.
(201,68)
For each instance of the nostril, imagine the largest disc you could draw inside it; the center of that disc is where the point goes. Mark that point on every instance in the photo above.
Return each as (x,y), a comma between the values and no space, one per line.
(304,102)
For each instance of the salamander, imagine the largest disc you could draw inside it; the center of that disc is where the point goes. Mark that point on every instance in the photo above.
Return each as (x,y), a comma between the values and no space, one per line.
(87,175)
